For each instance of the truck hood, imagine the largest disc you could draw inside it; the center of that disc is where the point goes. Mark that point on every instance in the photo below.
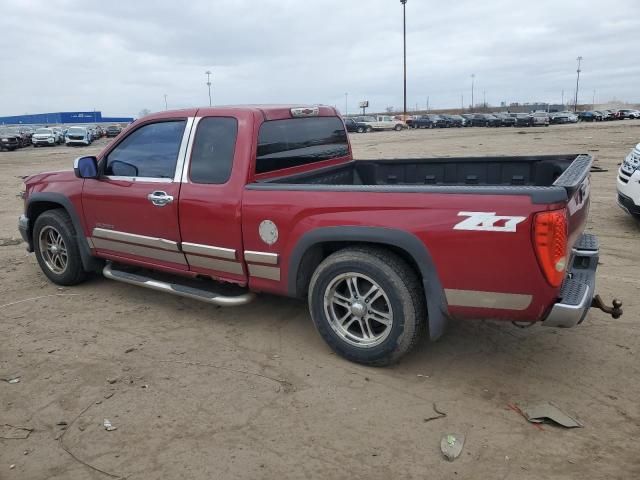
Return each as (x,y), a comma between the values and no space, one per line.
(49,177)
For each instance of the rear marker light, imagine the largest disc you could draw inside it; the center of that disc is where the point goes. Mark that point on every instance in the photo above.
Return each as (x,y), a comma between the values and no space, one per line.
(550,242)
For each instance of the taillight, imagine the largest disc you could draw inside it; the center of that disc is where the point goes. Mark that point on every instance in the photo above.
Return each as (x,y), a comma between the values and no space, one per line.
(550,241)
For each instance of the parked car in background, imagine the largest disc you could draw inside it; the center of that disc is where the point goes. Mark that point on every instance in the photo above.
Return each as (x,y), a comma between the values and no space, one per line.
(349,123)
(590,116)
(628,113)
(521,119)
(59,135)
(506,120)
(468,117)
(608,115)
(381,122)
(77,136)
(9,140)
(114,130)
(485,120)
(540,119)
(563,117)
(431,120)
(454,120)
(43,137)
(629,183)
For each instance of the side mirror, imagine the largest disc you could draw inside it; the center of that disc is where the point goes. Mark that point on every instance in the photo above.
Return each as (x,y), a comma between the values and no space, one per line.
(86,167)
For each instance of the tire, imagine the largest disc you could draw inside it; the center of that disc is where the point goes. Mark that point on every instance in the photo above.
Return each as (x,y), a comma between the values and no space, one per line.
(369,130)
(397,128)
(48,228)
(360,130)
(401,303)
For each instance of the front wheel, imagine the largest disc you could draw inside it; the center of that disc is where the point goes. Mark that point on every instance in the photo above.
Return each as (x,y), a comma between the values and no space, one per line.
(368,305)
(360,130)
(397,128)
(56,248)
(369,130)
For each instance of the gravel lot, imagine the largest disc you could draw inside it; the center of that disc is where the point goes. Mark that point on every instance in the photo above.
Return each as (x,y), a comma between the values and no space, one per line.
(253,392)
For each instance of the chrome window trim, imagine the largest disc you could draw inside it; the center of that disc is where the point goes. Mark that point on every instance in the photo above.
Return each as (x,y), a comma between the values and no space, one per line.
(183,149)
(138,179)
(209,250)
(261,257)
(187,159)
(154,242)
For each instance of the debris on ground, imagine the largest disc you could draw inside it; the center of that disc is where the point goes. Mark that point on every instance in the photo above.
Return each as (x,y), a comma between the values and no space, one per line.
(14,380)
(108,426)
(14,432)
(112,380)
(130,349)
(440,414)
(541,412)
(596,169)
(451,445)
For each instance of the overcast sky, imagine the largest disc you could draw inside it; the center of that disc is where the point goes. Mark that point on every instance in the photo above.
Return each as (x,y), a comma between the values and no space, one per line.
(121,57)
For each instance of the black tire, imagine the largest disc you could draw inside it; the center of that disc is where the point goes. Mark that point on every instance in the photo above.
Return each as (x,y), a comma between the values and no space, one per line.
(59,221)
(369,130)
(360,130)
(403,295)
(397,128)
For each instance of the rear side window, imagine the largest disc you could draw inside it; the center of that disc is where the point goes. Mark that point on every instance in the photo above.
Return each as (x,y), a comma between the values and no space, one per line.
(213,148)
(150,151)
(300,141)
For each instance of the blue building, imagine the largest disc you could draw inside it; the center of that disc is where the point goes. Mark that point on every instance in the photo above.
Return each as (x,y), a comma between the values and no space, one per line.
(62,117)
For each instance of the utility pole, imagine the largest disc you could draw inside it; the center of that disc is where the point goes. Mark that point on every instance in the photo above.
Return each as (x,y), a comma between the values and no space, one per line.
(575,106)
(346,104)
(562,98)
(404,62)
(484,98)
(593,103)
(473,77)
(208,74)
(427,104)
(165,102)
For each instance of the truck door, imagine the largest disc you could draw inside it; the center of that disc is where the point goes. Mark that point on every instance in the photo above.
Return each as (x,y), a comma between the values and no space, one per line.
(211,196)
(132,209)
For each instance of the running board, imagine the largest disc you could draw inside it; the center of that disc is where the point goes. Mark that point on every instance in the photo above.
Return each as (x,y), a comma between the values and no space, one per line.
(176,289)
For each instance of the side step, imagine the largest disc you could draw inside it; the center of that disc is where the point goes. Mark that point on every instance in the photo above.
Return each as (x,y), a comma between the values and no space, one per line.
(176,289)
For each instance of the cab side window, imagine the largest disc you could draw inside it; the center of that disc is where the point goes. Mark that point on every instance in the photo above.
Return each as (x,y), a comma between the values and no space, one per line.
(213,149)
(151,151)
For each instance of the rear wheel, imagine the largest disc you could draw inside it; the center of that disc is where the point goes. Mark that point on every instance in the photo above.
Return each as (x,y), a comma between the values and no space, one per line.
(397,128)
(360,130)
(369,130)
(368,305)
(56,248)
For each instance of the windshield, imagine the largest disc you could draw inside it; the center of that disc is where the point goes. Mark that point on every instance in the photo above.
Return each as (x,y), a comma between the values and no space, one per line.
(76,131)
(44,131)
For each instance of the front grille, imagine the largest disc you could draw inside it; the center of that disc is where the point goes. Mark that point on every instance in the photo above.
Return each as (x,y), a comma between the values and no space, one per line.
(75,137)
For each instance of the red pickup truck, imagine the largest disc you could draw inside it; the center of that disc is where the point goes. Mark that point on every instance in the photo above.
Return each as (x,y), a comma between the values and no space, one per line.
(215,204)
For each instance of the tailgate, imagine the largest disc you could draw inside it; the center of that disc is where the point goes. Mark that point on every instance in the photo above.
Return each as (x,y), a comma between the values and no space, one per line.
(576,180)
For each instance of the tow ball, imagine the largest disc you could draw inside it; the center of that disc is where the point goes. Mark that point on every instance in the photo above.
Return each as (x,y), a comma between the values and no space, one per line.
(615,310)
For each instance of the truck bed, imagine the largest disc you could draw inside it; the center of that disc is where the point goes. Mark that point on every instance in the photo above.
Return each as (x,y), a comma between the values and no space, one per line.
(547,178)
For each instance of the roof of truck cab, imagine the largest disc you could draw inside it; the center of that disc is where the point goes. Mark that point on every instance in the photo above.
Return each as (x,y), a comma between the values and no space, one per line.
(269,112)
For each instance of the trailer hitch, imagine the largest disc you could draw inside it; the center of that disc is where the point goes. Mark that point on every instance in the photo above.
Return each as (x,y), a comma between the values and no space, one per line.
(615,310)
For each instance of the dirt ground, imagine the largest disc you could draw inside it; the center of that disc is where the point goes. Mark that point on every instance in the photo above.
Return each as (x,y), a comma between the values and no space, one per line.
(253,392)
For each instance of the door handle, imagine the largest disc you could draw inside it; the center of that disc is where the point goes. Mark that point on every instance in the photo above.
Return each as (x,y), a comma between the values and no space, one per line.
(159,198)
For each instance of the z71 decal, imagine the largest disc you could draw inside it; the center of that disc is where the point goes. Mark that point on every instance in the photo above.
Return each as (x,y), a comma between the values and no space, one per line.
(488,222)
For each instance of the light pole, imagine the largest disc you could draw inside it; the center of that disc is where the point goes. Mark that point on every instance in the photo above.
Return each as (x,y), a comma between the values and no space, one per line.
(404,62)
(208,74)
(346,104)
(562,98)
(575,105)
(473,78)
(165,102)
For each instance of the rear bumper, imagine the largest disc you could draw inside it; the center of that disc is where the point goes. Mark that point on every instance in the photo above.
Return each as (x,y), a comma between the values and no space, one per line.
(578,288)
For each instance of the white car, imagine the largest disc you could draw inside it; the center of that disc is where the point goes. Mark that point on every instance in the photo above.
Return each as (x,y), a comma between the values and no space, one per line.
(382,122)
(44,136)
(629,183)
(77,136)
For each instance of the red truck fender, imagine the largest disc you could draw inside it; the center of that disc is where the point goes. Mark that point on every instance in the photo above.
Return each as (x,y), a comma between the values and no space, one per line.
(40,202)
(406,244)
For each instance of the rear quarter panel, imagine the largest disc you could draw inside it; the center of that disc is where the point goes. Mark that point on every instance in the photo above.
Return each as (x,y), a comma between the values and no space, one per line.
(465,260)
